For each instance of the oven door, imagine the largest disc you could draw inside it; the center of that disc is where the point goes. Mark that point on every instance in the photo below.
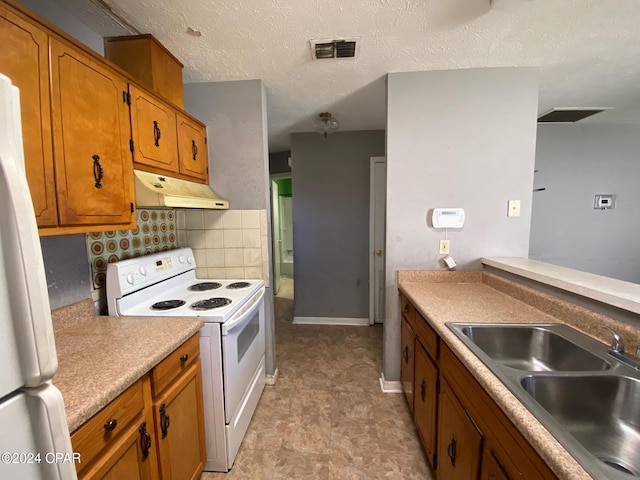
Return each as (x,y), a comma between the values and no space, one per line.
(243,347)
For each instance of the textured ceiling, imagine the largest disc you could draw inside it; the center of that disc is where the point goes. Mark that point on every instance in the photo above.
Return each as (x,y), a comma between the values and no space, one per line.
(588,51)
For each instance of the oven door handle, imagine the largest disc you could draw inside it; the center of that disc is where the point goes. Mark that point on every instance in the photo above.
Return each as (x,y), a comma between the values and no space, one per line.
(244,314)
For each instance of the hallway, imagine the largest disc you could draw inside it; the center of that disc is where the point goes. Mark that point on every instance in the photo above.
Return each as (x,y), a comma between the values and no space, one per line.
(327,418)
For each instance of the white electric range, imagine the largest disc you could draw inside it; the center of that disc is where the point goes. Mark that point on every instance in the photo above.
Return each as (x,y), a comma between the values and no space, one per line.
(232,340)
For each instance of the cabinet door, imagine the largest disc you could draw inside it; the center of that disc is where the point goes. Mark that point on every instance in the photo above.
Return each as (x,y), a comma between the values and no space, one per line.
(127,459)
(459,441)
(179,421)
(153,125)
(425,400)
(192,143)
(24,58)
(94,173)
(406,362)
(491,466)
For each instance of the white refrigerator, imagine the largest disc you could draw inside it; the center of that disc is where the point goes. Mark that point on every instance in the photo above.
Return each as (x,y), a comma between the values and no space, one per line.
(34,436)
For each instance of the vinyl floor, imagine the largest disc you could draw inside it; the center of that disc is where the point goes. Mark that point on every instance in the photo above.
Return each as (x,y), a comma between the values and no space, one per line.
(326,417)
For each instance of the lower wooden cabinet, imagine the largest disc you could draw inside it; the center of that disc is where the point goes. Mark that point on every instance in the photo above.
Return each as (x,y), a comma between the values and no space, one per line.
(426,400)
(492,468)
(408,339)
(459,440)
(466,436)
(180,436)
(143,436)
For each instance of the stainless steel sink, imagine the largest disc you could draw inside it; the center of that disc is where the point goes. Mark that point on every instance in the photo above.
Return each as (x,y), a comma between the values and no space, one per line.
(586,398)
(532,347)
(601,412)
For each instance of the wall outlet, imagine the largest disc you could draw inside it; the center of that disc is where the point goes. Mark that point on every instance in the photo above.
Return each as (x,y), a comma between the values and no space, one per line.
(513,209)
(444,247)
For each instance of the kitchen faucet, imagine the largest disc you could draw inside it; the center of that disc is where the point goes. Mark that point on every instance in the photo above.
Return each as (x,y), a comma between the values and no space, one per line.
(616,349)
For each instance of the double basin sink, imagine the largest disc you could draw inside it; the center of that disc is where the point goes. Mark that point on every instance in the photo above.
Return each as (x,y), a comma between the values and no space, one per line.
(586,398)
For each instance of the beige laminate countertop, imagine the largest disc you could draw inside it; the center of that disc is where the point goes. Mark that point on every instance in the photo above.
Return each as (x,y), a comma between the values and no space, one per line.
(99,357)
(470,300)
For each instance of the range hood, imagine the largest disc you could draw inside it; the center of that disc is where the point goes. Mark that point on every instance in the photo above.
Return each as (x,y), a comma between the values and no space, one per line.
(161,191)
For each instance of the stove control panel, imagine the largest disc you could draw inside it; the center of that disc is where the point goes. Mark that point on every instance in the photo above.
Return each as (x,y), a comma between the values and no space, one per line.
(130,275)
(163,264)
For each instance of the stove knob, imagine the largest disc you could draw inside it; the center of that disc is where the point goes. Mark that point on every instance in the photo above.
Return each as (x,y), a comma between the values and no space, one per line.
(143,271)
(130,278)
(190,260)
(181,258)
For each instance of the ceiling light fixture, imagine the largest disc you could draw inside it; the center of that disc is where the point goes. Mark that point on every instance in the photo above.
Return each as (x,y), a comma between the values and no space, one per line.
(326,124)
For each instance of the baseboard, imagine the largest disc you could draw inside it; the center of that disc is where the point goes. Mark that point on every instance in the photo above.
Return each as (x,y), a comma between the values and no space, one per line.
(388,386)
(330,321)
(272,379)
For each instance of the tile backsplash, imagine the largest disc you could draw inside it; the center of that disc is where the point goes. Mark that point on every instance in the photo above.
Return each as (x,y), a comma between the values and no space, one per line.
(226,243)
(156,232)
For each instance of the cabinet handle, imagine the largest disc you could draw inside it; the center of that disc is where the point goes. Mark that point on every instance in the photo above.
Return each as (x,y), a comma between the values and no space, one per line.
(194,149)
(184,357)
(165,421)
(98,171)
(156,133)
(451,450)
(405,354)
(145,440)
(110,426)
(423,389)
(406,309)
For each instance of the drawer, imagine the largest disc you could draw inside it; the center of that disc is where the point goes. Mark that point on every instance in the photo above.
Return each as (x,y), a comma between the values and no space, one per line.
(106,426)
(407,309)
(427,336)
(171,367)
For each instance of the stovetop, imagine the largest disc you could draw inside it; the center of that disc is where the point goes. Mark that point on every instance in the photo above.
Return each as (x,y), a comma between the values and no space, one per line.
(165,285)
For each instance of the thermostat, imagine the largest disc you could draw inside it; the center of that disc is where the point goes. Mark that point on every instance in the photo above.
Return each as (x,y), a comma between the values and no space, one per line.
(447,217)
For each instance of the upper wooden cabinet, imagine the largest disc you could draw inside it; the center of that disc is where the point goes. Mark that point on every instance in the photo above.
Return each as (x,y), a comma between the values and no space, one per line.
(193,156)
(144,57)
(24,58)
(165,140)
(91,140)
(153,126)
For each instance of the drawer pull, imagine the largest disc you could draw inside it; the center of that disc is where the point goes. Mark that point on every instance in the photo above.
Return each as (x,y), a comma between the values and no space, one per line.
(165,421)
(184,357)
(423,389)
(110,426)
(407,309)
(451,450)
(156,133)
(405,354)
(145,440)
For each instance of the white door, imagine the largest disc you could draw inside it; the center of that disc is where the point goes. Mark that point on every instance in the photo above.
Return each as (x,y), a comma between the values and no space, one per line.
(277,236)
(377,226)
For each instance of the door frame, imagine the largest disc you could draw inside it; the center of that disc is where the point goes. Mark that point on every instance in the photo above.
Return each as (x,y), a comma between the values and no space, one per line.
(275,229)
(373,194)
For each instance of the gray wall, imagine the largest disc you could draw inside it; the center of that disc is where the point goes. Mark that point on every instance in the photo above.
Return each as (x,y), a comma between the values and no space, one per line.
(331,222)
(279,162)
(233,112)
(65,257)
(236,117)
(66,21)
(456,138)
(67,269)
(574,163)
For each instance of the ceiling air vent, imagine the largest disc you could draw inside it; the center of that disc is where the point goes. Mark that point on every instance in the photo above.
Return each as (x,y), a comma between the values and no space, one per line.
(569,115)
(321,49)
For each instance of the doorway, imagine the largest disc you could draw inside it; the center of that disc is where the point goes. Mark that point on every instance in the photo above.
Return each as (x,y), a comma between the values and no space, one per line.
(377,229)
(282,215)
